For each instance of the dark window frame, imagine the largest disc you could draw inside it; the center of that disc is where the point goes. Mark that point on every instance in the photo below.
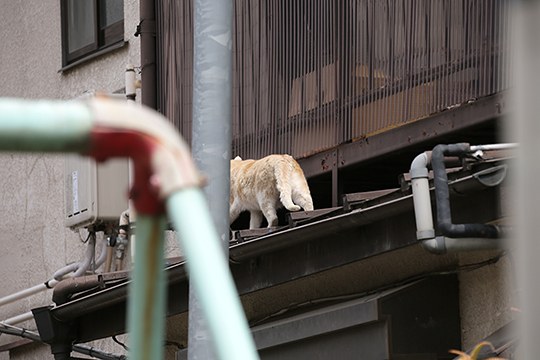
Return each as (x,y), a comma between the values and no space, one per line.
(104,37)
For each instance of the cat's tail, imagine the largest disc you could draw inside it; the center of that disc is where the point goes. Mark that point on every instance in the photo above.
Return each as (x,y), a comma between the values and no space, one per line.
(283,173)
(300,192)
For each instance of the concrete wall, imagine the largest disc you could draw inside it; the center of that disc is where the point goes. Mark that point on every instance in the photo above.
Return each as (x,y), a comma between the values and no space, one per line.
(488,297)
(33,239)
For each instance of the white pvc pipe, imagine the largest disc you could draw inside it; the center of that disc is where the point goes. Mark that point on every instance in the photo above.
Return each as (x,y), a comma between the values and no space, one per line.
(80,267)
(49,284)
(493,147)
(102,255)
(476,244)
(58,275)
(421,199)
(62,272)
(89,256)
(130,82)
(18,319)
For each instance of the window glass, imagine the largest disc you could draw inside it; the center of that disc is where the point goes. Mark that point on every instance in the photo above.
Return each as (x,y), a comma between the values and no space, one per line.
(81,20)
(90,26)
(110,12)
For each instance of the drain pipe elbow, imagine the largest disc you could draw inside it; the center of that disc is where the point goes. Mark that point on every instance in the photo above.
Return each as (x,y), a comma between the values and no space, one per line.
(436,245)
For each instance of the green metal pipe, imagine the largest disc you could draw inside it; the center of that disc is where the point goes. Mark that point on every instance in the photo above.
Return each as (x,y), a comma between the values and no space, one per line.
(147,293)
(210,276)
(44,125)
(53,126)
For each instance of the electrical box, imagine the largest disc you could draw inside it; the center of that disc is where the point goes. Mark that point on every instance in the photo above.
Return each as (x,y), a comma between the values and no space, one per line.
(95,192)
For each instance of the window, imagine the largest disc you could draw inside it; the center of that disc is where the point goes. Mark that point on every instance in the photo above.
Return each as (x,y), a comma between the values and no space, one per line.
(89,26)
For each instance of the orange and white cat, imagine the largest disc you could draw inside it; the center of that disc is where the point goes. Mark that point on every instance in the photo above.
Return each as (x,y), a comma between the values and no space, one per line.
(263,186)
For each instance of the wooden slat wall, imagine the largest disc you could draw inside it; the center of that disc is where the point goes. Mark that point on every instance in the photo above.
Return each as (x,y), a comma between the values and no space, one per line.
(311,74)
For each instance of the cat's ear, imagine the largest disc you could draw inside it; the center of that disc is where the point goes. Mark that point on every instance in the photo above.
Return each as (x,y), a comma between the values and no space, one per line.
(238,158)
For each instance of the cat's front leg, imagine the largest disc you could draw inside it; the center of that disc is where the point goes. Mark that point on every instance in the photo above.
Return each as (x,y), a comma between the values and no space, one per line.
(255,219)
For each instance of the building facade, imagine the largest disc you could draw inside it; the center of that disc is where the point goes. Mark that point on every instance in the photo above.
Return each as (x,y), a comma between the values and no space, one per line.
(33,205)
(354,90)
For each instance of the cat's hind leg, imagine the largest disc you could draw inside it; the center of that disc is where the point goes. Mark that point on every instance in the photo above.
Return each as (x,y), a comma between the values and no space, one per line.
(303,199)
(234,212)
(255,219)
(269,212)
(283,175)
(285,196)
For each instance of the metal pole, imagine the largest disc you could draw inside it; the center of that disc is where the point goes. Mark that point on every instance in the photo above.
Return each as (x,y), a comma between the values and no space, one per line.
(147,294)
(209,276)
(525,108)
(211,144)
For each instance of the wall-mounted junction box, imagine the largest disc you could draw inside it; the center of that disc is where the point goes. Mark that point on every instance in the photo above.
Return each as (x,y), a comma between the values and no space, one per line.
(95,193)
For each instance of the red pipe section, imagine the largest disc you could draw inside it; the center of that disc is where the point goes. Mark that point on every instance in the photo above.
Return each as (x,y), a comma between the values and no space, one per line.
(108,143)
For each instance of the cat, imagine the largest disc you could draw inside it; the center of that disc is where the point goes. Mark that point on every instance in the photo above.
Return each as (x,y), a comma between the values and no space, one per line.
(262,186)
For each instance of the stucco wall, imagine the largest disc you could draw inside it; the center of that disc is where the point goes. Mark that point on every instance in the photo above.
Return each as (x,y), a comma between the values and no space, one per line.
(487,298)
(33,238)
(31,53)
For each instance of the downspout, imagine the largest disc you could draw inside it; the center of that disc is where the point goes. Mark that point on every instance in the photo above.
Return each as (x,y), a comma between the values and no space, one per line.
(49,284)
(422,201)
(453,237)
(147,31)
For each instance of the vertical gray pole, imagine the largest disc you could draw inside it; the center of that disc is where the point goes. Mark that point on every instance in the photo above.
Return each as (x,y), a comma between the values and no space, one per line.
(212,112)
(525,119)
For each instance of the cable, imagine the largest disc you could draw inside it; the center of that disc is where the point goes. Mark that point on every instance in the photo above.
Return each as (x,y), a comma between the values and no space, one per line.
(406,281)
(175,344)
(115,339)
(167,343)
